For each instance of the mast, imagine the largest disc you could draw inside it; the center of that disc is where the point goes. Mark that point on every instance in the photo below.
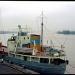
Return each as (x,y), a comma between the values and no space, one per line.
(19,26)
(42,32)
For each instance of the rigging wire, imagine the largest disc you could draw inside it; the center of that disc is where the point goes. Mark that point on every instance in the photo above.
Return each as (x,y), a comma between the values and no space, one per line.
(51,39)
(48,32)
(0,22)
(71,66)
(68,70)
(2,39)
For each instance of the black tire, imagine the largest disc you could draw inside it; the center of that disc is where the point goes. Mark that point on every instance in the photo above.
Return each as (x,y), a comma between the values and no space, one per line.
(11,62)
(1,61)
(67,62)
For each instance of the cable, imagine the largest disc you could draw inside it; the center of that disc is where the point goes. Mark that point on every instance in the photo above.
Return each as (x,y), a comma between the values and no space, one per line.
(1,24)
(71,66)
(68,72)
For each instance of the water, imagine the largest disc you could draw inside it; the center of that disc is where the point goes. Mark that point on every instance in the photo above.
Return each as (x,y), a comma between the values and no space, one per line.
(67,40)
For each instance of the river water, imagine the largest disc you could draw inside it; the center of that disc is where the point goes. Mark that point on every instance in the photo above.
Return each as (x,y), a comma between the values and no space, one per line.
(67,40)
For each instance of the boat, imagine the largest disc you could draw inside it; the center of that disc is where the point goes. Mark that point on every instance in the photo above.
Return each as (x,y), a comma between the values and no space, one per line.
(27,50)
(66,32)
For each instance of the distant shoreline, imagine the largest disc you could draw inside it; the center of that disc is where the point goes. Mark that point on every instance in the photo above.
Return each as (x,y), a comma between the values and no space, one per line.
(7,32)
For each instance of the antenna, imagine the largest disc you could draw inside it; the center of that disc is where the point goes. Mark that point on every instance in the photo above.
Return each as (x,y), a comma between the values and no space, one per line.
(52,45)
(19,26)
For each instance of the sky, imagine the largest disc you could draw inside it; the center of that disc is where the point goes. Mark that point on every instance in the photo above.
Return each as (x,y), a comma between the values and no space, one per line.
(58,15)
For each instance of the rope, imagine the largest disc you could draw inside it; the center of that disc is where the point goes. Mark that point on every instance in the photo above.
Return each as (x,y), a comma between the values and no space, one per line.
(71,66)
(1,23)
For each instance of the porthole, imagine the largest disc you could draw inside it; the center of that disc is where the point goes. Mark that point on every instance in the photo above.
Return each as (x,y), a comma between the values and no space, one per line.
(24,37)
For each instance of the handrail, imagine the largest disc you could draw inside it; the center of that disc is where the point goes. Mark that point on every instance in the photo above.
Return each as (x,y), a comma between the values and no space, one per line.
(38,56)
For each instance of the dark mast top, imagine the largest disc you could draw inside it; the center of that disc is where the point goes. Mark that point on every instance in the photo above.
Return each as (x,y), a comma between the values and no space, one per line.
(42,32)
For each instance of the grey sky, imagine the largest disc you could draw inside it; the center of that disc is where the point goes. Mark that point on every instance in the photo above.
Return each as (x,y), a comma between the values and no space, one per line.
(59,14)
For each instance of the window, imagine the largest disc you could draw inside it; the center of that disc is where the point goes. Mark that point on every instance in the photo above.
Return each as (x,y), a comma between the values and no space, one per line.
(23,33)
(44,60)
(32,42)
(34,59)
(26,45)
(25,58)
(24,38)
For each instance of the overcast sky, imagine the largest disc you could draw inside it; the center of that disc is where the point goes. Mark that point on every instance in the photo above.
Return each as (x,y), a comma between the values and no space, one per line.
(59,15)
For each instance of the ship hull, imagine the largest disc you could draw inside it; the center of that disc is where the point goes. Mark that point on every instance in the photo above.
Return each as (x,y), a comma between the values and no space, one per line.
(42,68)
